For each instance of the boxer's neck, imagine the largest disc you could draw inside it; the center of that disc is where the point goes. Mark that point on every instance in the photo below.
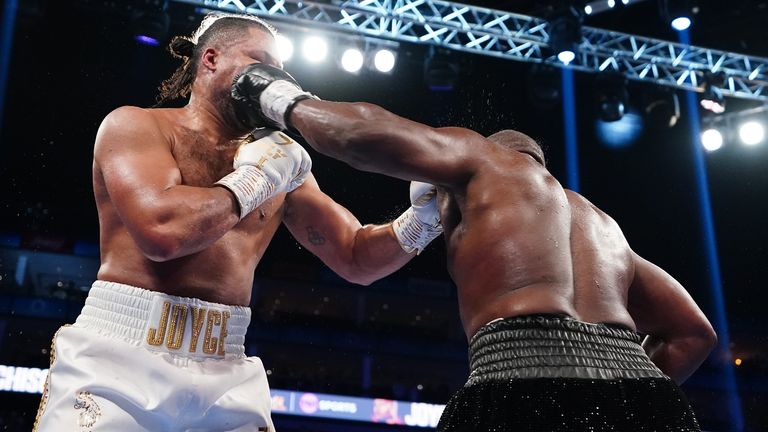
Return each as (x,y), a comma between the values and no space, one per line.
(206,117)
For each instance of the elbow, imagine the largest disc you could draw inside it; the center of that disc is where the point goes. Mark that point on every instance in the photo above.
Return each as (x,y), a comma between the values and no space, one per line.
(158,244)
(358,277)
(709,337)
(364,281)
(703,338)
(706,333)
(361,281)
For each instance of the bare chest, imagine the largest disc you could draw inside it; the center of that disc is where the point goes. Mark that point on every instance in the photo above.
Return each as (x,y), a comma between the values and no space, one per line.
(200,163)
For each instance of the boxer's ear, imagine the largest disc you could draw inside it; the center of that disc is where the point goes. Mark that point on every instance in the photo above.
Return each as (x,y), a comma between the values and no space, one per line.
(210,58)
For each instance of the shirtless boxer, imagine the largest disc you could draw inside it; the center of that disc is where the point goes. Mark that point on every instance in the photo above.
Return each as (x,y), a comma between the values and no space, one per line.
(159,343)
(552,298)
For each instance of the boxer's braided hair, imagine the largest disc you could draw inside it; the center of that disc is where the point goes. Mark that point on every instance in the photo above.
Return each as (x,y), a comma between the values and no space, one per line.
(214,29)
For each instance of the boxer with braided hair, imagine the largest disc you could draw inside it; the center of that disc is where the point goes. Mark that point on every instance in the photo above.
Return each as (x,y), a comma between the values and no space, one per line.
(188,200)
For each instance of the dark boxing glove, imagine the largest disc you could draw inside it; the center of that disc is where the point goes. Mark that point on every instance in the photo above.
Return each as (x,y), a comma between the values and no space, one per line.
(263,96)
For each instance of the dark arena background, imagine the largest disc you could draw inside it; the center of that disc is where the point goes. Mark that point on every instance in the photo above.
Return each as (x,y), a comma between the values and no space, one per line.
(687,181)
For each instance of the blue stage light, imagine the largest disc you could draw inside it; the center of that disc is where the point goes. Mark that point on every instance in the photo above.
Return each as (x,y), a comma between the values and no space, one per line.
(146,40)
(620,133)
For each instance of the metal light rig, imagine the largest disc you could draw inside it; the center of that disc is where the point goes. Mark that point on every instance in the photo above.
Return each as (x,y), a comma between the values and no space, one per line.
(518,37)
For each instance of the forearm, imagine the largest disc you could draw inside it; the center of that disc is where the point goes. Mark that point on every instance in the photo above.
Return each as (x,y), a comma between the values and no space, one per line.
(185,220)
(377,253)
(679,357)
(264,95)
(365,136)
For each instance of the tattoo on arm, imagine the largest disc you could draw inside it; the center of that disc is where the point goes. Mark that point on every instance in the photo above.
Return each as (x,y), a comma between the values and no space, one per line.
(314,236)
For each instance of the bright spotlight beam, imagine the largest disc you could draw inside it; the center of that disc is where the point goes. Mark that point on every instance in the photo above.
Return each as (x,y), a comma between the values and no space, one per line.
(352,60)
(284,47)
(751,133)
(711,139)
(681,23)
(566,57)
(315,49)
(384,60)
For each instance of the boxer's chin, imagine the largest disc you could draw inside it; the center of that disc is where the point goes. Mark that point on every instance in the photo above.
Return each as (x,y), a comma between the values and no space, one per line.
(223,102)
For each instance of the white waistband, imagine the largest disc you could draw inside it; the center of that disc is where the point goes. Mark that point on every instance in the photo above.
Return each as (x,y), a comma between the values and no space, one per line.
(181,326)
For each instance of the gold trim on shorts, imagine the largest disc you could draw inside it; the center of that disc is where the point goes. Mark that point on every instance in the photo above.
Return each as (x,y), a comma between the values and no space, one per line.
(44,398)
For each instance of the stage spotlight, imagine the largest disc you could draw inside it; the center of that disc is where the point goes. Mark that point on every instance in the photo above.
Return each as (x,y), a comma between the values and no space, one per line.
(678,14)
(384,60)
(681,23)
(612,96)
(588,9)
(611,3)
(751,133)
(440,72)
(625,2)
(315,49)
(661,107)
(713,104)
(151,27)
(712,99)
(620,133)
(566,57)
(544,86)
(711,139)
(352,60)
(564,29)
(284,47)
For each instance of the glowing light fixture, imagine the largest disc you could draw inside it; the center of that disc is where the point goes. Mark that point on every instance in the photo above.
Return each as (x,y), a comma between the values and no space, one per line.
(384,61)
(352,60)
(711,139)
(315,49)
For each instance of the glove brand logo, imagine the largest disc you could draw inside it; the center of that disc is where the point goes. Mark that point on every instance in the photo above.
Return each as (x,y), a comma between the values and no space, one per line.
(284,139)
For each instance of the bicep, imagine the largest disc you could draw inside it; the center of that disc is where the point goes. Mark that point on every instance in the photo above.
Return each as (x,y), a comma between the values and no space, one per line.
(135,162)
(659,304)
(321,225)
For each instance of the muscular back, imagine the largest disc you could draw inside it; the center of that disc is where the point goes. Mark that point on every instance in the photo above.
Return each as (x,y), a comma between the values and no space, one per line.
(127,173)
(603,264)
(518,243)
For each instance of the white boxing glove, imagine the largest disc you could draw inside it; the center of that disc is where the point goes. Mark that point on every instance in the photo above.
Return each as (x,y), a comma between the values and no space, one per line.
(270,165)
(420,224)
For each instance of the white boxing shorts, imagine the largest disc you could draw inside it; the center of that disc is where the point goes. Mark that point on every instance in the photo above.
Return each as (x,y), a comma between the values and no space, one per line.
(138,360)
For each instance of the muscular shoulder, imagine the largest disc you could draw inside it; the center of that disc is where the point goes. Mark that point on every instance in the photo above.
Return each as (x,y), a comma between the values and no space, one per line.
(130,126)
(580,204)
(516,171)
(587,213)
(131,117)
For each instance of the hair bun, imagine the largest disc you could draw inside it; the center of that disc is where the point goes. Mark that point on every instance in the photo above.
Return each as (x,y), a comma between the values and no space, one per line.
(181,47)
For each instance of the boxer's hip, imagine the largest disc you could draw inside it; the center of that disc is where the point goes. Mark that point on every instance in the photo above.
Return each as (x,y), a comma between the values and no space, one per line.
(180,326)
(137,360)
(552,346)
(555,373)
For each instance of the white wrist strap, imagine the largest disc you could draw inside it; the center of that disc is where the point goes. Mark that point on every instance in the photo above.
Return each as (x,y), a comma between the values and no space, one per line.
(250,187)
(412,233)
(277,98)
